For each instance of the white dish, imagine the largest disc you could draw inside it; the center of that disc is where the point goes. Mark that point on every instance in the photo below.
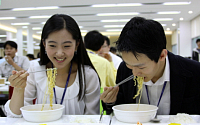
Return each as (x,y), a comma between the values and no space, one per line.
(33,113)
(2,84)
(164,121)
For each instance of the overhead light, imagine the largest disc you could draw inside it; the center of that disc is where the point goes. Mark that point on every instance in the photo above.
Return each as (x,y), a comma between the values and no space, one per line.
(35,8)
(168,29)
(117,5)
(164,24)
(39,32)
(176,3)
(181,18)
(173,24)
(117,14)
(80,27)
(20,23)
(43,22)
(111,26)
(119,20)
(3,35)
(36,28)
(38,17)
(168,32)
(114,30)
(169,12)
(24,27)
(7,18)
(190,12)
(163,19)
(84,31)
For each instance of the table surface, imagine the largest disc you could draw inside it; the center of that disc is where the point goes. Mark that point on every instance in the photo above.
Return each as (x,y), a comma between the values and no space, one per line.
(69,120)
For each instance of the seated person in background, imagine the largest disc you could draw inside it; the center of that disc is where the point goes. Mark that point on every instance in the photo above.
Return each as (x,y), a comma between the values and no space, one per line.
(105,49)
(113,50)
(143,46)
(12,62)
(93,42)
(30,57)
(196,51)
(61,47)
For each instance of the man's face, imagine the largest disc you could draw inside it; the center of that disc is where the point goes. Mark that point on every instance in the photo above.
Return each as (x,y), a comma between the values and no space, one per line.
(105,48)
(10,51)
(198,44)
(142,66)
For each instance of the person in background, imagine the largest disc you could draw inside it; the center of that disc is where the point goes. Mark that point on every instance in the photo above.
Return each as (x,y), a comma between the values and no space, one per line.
(12,61)
(105,49)
(93,42)
(2,60)
(196,51)
(113,50)
(30,57)
(77,84)
(172,79)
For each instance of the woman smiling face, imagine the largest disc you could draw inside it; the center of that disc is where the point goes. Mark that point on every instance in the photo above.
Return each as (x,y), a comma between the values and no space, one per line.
(60,47)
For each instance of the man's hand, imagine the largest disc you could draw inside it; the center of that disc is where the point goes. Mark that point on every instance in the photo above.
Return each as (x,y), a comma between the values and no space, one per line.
(109,95)
(106,56)
(9,60)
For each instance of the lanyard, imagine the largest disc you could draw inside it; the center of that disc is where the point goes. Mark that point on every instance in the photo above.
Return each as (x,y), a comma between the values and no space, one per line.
(163,89)
(90,52)
(65,86)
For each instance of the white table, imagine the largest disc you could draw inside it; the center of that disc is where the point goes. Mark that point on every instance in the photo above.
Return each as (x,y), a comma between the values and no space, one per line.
(68,119)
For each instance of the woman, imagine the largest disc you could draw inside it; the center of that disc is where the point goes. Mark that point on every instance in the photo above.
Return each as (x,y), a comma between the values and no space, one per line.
(61,47)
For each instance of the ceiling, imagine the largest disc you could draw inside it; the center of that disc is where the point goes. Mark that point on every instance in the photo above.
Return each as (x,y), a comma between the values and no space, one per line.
(86,17)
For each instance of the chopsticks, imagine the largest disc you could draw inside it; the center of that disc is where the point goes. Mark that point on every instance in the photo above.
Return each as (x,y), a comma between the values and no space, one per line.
(101,116)
(43,70)
(125,80)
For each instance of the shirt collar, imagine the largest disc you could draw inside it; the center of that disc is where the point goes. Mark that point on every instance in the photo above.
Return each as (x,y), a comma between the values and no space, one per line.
(91,51)
(165,76)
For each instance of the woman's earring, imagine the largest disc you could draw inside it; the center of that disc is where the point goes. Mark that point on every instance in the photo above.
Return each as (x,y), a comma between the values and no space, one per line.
(75,52)
(45,52)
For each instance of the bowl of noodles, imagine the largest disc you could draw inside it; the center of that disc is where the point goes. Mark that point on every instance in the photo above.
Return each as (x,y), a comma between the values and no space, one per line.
(42,112)
(132,113)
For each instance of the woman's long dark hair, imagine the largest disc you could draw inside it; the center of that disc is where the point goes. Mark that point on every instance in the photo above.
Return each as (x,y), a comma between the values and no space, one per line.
(58,22)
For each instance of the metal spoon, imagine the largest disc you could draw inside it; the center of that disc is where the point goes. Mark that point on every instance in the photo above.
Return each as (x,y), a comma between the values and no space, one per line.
(155,119)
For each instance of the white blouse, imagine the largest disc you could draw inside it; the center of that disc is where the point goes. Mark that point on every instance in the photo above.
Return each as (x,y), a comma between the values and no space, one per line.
(36,85)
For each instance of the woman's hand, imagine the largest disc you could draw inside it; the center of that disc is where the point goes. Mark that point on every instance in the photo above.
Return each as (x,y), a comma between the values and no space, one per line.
(109,95)
(18,79)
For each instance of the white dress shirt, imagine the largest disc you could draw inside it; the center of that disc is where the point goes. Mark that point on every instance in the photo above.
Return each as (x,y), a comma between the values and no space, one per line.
(155,89)
(36,85)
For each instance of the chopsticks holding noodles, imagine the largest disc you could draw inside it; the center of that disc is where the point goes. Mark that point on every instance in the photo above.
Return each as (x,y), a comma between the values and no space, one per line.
(125,80)
(43,70)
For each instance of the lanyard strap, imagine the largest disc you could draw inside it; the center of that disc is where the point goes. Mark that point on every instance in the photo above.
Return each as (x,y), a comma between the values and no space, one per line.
(90,52)
(63,96)
(163,89)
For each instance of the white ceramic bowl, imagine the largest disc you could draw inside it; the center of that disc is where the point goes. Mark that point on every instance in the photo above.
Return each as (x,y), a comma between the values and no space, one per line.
(128,112)
(33,113)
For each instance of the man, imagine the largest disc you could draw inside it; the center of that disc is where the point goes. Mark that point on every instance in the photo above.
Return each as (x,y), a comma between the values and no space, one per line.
(12,62)
(105,49)
(143,46)
(93,41)
(196,51)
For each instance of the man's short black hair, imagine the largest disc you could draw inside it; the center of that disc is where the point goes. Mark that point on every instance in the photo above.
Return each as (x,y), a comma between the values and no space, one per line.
(11,43)
(142,36)
(93,40)
(198,40)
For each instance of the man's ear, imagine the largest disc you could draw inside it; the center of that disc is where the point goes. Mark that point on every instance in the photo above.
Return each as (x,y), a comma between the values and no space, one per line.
(163,55)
